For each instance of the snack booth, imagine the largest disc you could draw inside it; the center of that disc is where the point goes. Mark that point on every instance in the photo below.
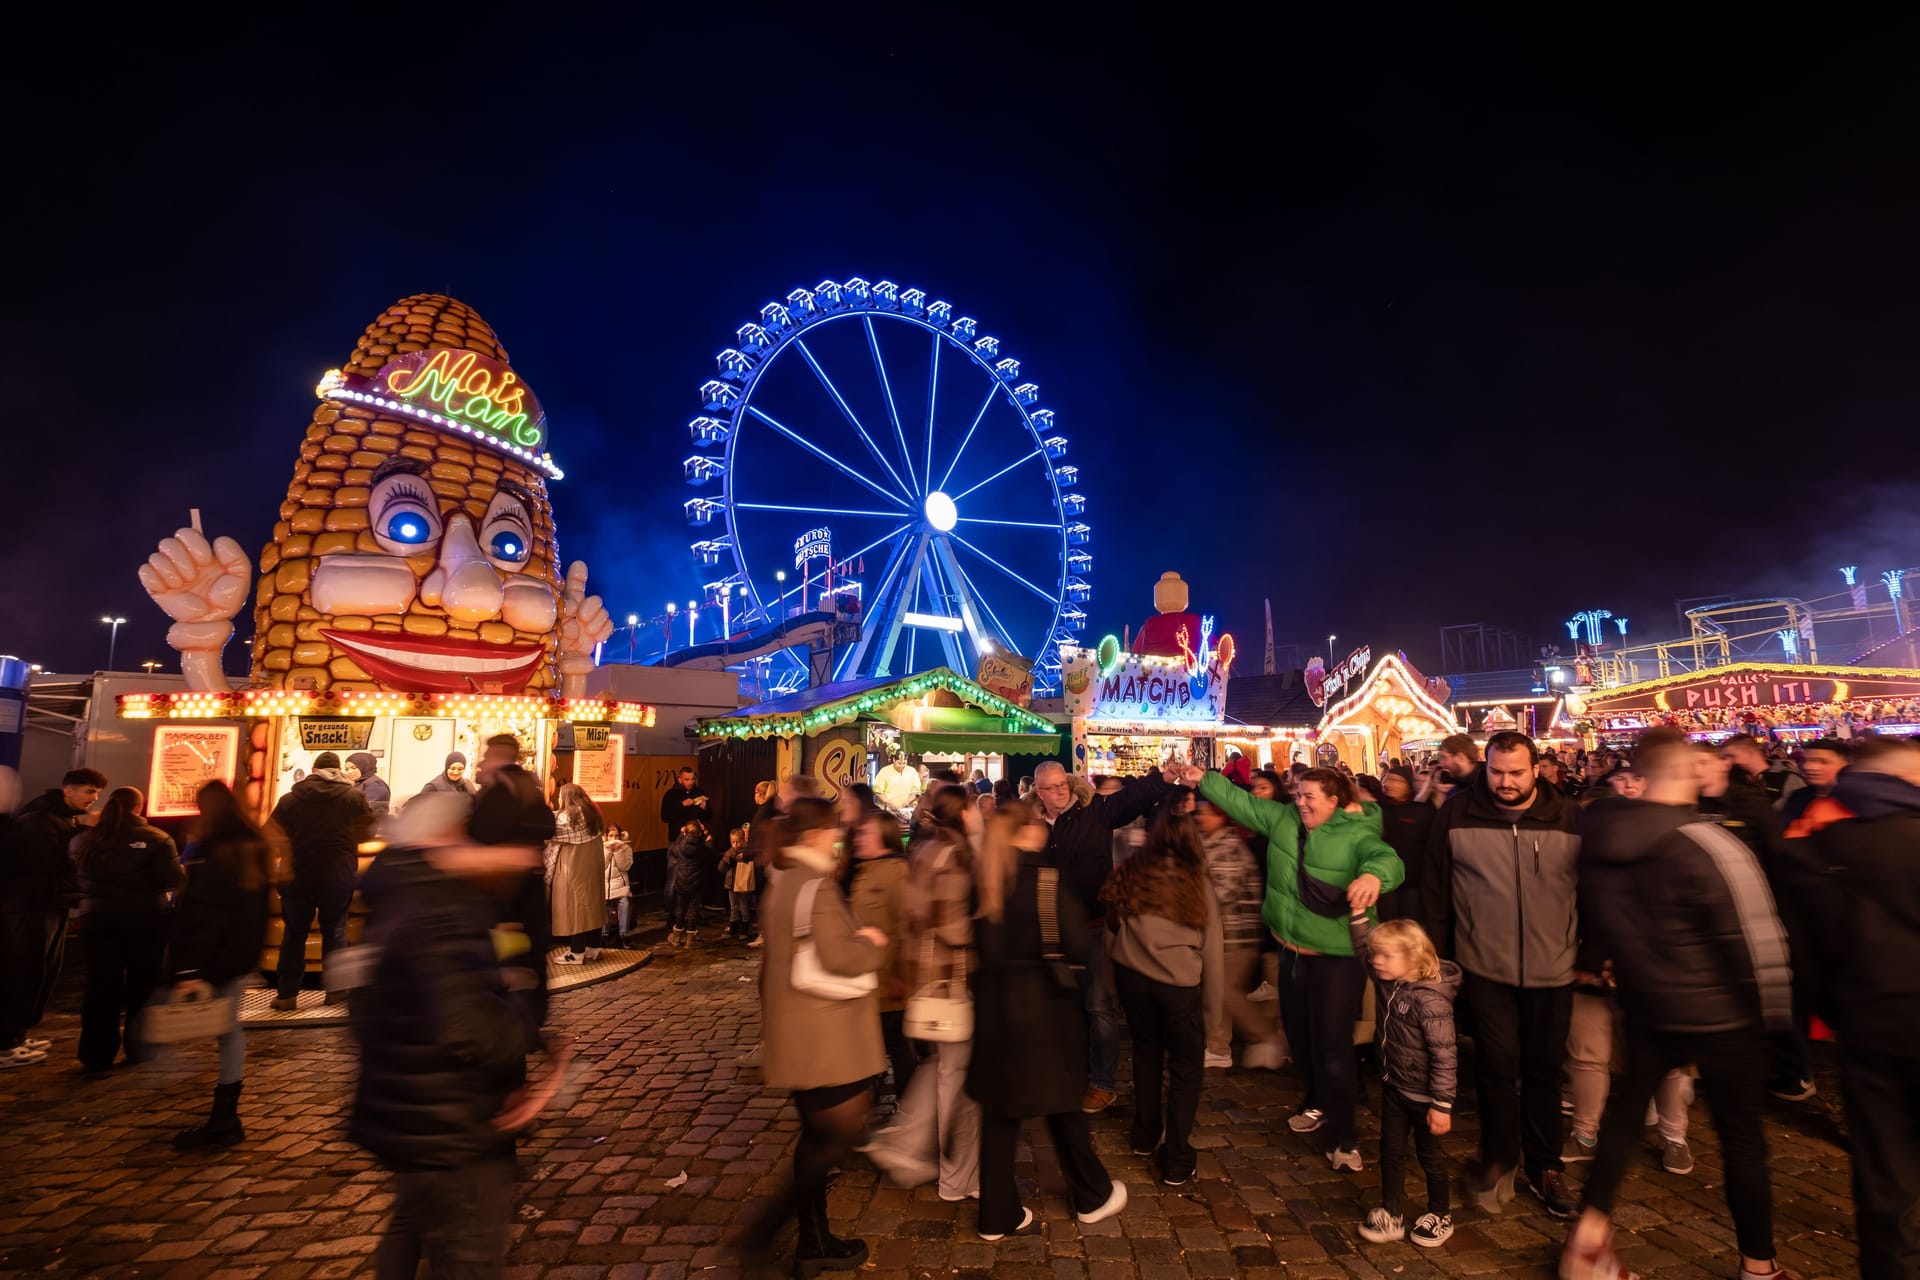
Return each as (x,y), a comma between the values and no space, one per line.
(1373,717)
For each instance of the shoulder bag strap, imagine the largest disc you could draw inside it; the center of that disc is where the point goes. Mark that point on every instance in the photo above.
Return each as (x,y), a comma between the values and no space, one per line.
(803,909)
(1049,920)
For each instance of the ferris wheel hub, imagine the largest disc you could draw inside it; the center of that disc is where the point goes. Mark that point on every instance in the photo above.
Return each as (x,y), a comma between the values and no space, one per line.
(941,513)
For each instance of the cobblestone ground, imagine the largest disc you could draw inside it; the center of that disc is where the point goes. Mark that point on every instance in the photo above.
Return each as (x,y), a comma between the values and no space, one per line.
(90,1187)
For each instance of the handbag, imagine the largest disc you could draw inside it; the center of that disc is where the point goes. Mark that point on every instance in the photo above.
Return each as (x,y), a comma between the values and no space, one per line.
(806,973)
(941,1011)
(190,1018)
(1065,973)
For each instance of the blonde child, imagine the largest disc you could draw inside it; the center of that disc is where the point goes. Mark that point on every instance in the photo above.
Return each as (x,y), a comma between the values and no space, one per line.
(1415,992)
(737,873)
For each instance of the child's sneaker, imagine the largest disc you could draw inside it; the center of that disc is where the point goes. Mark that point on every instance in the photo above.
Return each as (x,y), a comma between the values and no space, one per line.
(1348,1159)
(1432,1231)
(1382,1227)
(21,1056)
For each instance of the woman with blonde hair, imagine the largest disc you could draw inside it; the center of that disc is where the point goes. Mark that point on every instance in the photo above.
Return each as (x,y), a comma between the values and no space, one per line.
(1030,1026)
(577,875)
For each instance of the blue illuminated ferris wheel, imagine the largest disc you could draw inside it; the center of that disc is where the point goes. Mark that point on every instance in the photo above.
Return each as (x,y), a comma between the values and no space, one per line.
(866,419)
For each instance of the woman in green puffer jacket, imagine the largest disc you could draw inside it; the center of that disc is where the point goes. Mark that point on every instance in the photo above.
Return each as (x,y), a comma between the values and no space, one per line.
(1324,858)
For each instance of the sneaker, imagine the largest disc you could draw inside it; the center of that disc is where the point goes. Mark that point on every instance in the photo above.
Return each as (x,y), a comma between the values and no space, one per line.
(1221,1060)
(1143,1148)
(1792,1090)
(1263,1057)
(1382,1227)
(1348,1159)
(1176,1177)
(1676,1157)
(1778,1273)
(1491,1189)
(1432,1231)
(286,1004)
(971,1195)
(21,1056)
(757,941)
(32,1042)
(1264,993)
(1095,1100)
(1307,1121)
(1597,1263)
(590,954)
(1550,1189)
(1579,1148)
(1026,1220)
(673,937)
(1116,1201)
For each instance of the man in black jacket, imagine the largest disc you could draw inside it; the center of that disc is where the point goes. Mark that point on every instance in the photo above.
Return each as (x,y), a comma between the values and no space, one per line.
(1081,849)
(324,818)
(1682,908)
(1498,896)
(38,884)
(443,1044)
(1865,897)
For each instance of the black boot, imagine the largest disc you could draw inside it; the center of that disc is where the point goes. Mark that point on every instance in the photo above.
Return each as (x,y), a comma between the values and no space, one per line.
(818,1249)
(222,1127)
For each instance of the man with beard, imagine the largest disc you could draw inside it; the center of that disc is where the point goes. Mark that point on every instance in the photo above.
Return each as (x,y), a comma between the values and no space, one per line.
(1498,895)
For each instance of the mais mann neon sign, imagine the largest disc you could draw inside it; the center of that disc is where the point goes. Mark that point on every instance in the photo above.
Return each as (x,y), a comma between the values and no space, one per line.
(467,386)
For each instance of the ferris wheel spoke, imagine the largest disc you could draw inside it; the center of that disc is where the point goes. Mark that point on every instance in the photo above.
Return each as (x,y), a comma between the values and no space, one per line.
(996,475)
(847,411)
(1048,596)
(967,439)
(815,449)
(893,410)
(1054,526)
(933,390)
(1000,628)
(817,511)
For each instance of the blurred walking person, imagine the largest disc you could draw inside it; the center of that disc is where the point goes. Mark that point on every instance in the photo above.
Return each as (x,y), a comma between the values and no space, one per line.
(127,868)
(1164,941)
(1682,909)
(38,886)
(1030,1053)
(1238,889)
(324,819)
(876,878)
(219,927)
(820,1033)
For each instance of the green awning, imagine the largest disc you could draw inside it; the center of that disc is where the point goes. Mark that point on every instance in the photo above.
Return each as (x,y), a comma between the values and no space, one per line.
(988,744)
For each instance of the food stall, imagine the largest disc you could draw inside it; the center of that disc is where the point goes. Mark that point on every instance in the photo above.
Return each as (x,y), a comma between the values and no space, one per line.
(410,603)
(1791,702)
(1373,715)
(844,732)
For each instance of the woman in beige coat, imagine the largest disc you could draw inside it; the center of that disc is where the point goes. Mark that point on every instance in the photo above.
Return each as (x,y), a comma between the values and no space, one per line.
(577,875)
(825,1052)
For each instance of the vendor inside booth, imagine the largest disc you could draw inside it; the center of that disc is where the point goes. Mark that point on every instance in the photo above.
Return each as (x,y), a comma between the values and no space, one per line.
(1374,716)
(847,732)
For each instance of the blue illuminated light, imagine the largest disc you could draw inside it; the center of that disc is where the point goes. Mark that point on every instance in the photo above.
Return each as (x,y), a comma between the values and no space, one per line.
(408,528)
(507,546)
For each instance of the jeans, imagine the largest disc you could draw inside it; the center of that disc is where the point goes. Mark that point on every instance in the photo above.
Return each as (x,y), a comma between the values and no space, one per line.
(1882,1093)
(297,913)
(1520,1046)
(456,1219)
(686,912)
(740,906)
(1596,1043)
(1103,1022)
(1400,1116)
(1169,1027)
(32,944)
(1319,1003)
(233,1041)
(620,913)
(1254,1022)
(1088,1185)
(1733,1072)
(123,964)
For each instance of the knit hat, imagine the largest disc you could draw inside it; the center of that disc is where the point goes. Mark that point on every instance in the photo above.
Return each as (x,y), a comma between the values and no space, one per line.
(325,760)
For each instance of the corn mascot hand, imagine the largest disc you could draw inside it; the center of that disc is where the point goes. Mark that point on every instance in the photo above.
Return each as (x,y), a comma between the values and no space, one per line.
(201,585)
(584,626)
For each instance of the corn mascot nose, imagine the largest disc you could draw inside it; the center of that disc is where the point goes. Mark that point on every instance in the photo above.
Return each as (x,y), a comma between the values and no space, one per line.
(469,586)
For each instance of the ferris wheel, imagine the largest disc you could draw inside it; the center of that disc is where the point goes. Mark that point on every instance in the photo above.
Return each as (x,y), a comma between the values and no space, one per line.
(868,453)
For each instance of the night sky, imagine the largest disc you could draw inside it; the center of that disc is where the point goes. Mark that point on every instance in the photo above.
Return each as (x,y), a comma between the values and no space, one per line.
(1401,327)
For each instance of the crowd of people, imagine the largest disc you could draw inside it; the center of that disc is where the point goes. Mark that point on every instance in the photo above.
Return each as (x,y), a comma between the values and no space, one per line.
(1612,930)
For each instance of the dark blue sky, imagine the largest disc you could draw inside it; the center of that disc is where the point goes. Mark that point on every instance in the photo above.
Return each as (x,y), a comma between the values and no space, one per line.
(1401,327)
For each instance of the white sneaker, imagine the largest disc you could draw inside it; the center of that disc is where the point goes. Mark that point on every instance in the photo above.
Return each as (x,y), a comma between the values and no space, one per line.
(1307,1121)
(1263,1057)
(567,957)
(591,954)
(1382,1227)
(1433,1230)
(1115,1203)
(758,939)
(21,1056)
(1219,1059)
(1264,993)
(1348,1160)
(32,1042)
(1026,1220)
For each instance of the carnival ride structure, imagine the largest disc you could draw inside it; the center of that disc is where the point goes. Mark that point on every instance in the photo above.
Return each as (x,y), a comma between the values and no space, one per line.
(866,416)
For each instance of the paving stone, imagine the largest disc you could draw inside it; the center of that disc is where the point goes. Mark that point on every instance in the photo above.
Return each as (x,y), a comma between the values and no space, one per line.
(89,1185)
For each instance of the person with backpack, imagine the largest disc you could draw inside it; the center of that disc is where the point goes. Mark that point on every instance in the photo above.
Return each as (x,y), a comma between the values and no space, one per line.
(127,867)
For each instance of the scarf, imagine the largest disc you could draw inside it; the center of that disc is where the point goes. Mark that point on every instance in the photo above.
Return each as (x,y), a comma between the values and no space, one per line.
(801,855)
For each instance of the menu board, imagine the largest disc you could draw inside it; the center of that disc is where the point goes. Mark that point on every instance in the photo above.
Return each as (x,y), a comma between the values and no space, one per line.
(185,758)
(599,762)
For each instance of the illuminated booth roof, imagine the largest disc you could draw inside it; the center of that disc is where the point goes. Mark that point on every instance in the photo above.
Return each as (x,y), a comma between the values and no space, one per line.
(989,724)
(240,704)
(1391,706)
(1739,686)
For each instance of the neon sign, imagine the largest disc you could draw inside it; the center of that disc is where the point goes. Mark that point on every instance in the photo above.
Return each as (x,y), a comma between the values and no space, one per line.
(814,544)
(1346,673)
(469,388)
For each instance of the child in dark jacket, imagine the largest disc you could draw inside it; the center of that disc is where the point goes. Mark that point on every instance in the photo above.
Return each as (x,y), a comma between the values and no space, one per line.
(1415,990)
(686,864)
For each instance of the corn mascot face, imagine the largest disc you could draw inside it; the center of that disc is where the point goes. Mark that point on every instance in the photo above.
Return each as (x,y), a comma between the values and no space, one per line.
(415,549)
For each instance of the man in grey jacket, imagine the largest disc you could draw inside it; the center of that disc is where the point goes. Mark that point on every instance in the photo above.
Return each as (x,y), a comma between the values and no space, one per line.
(1499,895)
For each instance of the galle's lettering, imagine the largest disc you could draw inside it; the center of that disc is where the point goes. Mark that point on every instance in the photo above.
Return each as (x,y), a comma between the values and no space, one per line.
(466,386)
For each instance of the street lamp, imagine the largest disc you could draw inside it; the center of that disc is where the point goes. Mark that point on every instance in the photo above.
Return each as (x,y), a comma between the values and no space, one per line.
(780,579)
(1330,639)
(693,618)
(666,629)
(113,639)
(633,629)
(148,666)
